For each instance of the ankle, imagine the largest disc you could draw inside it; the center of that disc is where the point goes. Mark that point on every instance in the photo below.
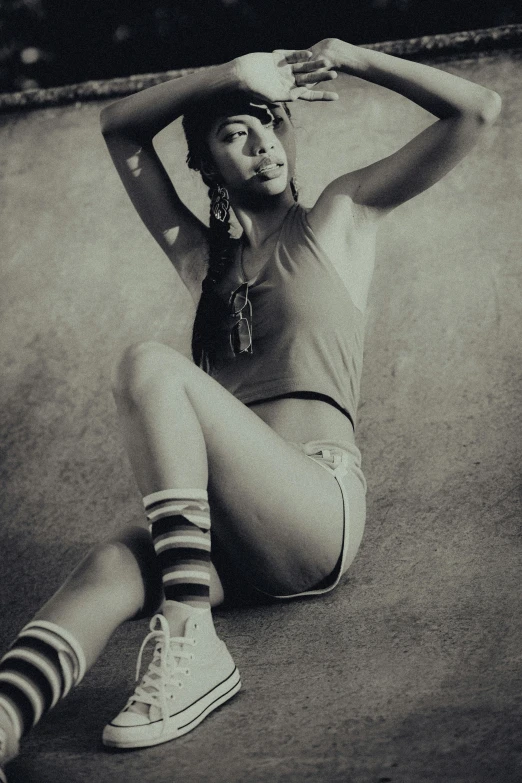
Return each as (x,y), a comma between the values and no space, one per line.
(177,614)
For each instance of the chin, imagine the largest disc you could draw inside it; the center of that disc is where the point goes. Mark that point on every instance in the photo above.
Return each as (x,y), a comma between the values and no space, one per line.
(262,192)
(274,187)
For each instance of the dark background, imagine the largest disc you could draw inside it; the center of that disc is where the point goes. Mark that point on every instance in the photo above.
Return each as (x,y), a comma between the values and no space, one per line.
(45,43)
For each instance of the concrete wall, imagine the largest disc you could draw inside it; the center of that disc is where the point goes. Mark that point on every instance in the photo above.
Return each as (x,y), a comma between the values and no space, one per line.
(441,410)
(81,278)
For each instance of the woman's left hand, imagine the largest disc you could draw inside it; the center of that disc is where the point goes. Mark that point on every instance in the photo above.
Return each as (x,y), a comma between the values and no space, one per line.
(283,75)
(336,54)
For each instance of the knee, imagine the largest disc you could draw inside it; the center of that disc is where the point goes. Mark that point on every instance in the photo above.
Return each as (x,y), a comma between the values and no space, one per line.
(141,365)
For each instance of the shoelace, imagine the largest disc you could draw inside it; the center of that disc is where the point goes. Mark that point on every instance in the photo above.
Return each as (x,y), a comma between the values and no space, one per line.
(161,674)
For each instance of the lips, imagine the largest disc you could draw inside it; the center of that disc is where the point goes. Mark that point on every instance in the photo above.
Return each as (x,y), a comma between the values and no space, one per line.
(268,164)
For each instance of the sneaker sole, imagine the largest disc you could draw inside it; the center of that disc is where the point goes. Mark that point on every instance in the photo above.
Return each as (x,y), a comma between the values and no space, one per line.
(189,718)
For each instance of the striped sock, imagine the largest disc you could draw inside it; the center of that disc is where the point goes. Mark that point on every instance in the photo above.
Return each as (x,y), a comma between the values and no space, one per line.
(180,528)
(42,665)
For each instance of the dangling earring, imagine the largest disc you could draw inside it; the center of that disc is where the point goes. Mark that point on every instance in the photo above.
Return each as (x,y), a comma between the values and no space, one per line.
(220,203)
(294,189)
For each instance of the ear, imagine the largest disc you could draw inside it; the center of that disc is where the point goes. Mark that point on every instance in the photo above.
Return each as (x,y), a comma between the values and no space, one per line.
(208,170)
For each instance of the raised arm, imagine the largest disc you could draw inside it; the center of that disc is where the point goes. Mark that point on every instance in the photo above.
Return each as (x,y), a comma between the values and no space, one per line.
(130,124)
(464,110)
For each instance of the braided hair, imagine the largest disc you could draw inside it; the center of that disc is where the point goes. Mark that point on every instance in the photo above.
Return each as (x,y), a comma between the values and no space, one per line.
(212,310)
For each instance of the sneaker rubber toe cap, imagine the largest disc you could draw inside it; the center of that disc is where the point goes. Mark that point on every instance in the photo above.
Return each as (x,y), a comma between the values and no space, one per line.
(129,719)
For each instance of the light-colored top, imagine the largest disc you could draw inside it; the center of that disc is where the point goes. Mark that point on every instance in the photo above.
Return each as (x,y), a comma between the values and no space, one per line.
(307,332)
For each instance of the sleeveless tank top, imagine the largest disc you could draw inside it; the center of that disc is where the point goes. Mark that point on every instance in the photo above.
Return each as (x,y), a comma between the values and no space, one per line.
(307,334)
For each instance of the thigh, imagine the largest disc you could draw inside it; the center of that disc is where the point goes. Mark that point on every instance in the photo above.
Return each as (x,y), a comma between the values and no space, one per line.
(343,461)
(278,513)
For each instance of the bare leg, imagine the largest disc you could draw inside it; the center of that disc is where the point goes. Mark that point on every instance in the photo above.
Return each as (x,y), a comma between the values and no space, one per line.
(278,513)
(103,591)
(109,586)
(275,509)
(115,582)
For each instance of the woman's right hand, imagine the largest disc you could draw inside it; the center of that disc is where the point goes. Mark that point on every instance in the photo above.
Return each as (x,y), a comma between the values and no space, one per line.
(283,75)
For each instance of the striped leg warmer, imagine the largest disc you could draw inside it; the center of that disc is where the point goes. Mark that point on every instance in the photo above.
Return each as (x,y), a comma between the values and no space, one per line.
(42,665)
(180,528)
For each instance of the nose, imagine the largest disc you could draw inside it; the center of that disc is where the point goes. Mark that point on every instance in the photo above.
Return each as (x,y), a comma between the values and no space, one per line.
(263,140)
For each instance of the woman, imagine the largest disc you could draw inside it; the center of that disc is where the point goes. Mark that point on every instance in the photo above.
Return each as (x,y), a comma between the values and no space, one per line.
(255,435)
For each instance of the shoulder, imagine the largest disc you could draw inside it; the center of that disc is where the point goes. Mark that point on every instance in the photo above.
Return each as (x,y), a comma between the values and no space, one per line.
(337,210)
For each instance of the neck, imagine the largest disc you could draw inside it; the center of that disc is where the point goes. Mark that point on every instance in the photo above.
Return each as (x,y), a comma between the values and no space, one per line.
(261,221)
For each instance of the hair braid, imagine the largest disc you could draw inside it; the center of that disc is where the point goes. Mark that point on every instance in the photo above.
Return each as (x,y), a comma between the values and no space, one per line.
(211,309)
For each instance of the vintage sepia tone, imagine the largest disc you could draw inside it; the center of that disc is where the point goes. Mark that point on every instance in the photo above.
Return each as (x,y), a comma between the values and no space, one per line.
(409,671)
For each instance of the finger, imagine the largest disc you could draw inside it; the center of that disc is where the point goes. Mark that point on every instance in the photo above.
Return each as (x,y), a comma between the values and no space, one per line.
(311,65)
(316,76)
(318,95)
(295,55)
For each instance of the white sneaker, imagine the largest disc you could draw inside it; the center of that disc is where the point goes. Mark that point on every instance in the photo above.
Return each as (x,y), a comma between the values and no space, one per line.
(189,676)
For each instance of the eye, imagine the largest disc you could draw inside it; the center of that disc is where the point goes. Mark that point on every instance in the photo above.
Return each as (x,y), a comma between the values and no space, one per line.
(233,135)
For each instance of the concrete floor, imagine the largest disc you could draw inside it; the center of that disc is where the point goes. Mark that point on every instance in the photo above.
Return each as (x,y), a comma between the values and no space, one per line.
(411,670)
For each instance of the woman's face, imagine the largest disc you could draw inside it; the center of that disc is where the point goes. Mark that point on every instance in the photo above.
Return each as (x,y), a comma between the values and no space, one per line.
(253,153)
